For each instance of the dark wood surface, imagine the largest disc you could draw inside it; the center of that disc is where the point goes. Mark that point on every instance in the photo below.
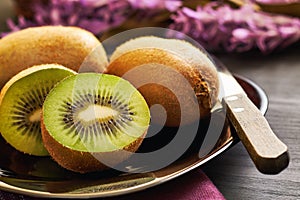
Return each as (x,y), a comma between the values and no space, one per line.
(234,173)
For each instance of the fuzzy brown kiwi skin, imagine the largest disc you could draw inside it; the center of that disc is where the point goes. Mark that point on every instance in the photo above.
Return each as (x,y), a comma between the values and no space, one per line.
(85,162)
(202,79)
(67,46)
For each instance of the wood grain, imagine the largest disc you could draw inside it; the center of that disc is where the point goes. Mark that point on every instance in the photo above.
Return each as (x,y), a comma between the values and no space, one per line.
(269,154)
(233,172)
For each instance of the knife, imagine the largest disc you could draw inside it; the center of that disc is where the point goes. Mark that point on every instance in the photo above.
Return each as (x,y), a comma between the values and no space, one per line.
(269,154)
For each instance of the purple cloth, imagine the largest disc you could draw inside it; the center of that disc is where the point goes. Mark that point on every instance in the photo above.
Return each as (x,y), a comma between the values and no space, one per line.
(194,185)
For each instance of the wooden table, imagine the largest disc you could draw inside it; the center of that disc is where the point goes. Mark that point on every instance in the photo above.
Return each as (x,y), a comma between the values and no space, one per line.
(234,173)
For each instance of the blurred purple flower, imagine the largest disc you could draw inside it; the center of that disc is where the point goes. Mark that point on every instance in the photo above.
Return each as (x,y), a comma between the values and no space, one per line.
(216,26)
(96,16)
(171,5)
(222,27)
(277,1)
(151,9)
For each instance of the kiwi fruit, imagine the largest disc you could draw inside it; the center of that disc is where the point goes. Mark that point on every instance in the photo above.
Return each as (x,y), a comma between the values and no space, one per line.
(92,122)
(170,72)
(67,46)
(21,101)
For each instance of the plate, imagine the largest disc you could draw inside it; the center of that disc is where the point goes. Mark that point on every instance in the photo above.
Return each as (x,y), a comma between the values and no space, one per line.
(42,177)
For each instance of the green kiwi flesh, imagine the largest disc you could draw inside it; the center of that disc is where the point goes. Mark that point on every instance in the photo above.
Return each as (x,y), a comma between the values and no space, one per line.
(21,104)
(90,113)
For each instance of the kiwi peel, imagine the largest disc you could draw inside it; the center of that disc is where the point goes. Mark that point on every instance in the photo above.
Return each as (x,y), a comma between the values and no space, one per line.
(166,61)
(93,120)
(21,101)
(67,46)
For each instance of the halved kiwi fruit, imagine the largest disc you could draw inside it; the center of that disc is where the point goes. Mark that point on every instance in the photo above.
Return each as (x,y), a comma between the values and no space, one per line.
(92,121)
(21,101)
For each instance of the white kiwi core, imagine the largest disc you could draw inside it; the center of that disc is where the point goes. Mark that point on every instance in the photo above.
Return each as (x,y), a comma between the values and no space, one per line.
(97,112)
(36,116)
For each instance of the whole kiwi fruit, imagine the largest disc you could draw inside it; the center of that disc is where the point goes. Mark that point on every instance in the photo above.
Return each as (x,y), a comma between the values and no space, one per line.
(21,101)
(67,46)
(92,122)
(170,72)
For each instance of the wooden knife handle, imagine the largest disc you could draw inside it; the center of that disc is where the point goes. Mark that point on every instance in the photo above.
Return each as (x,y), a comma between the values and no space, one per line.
(268,153)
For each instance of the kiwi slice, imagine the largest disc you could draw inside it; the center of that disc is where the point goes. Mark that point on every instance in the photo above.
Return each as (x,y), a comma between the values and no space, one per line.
(91,121)
(21,103)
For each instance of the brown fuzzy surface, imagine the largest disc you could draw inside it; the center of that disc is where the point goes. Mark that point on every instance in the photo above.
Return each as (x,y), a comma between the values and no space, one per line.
(84,162)
(67,46)
(164,70)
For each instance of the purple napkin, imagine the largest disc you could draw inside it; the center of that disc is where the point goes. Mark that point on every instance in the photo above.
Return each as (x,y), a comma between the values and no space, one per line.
(194,185)
(191,186)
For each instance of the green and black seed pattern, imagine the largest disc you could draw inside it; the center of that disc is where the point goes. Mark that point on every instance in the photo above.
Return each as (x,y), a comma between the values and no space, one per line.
(25,106)
(73,106)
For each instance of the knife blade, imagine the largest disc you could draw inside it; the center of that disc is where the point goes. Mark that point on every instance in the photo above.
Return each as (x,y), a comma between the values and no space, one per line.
(269,154)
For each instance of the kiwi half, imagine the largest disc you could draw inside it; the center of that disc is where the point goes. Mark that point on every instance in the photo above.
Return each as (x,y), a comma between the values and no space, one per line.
(93,121)
(21,101)
(64,45)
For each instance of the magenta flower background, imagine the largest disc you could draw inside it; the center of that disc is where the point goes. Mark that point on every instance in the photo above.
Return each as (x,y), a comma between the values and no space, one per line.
(277,1)
(217,26)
